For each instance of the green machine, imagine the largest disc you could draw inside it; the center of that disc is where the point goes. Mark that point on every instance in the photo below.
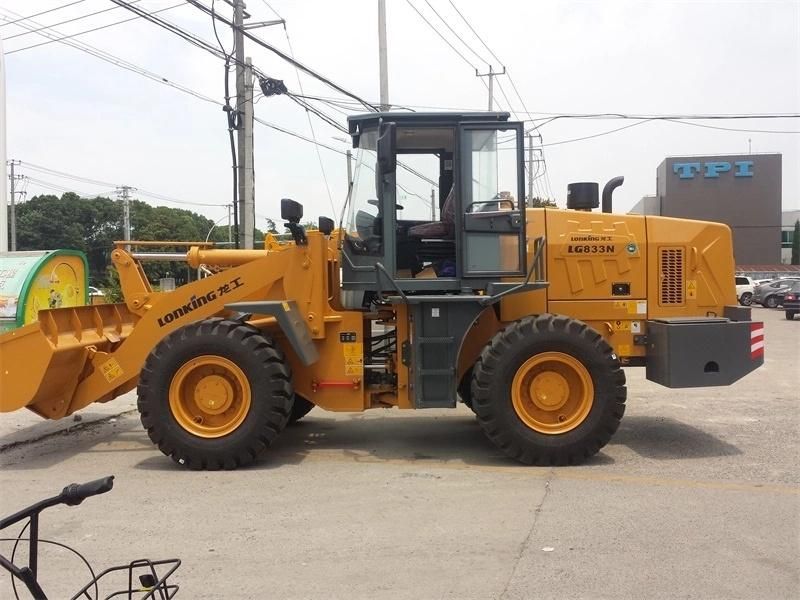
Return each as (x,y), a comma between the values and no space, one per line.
(31,281)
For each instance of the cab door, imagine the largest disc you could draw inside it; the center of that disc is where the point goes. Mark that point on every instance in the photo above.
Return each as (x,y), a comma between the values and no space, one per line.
(492,202)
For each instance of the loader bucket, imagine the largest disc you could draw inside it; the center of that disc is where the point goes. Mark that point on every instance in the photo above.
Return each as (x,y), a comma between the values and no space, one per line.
(41,364)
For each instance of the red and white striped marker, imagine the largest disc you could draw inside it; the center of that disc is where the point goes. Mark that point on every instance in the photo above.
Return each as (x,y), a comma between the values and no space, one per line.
(756,340)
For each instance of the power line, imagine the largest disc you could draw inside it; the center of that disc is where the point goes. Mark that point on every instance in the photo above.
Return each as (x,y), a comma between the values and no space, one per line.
(172,28)
(279,53)
(436,31)
(89,180)
(72,35)
(463,18)
(728,128)
(78,18)
(44,12)
(47,170)
(589,137)
(458,37)
(117,61)
(308,115)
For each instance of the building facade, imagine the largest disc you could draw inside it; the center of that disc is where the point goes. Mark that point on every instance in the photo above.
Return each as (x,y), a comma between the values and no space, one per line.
(742,191)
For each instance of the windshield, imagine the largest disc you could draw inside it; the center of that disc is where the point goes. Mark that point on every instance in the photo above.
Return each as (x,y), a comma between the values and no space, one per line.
(364,225)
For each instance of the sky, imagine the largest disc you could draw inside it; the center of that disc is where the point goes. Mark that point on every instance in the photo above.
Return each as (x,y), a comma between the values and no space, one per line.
(71,112)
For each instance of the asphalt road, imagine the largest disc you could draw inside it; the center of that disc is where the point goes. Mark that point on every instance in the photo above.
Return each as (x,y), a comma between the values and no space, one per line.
(697,496)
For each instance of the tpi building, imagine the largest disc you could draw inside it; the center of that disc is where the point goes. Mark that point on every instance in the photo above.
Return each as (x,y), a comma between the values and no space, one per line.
(743,191)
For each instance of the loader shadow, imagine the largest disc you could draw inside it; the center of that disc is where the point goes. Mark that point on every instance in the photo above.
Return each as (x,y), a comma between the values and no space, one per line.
(431,440)
(663,438)
(122,436)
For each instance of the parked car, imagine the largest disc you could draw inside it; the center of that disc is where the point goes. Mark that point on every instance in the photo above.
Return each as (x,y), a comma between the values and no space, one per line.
(744,290)
(93,291)
(771,294)
(791,301)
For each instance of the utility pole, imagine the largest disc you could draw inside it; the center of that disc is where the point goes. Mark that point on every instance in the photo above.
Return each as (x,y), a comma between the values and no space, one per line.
(12,213)
(246,174)
(244,124)
(244,131)
(530,171)
(124,193)
(382,57)
(433,204)
(491,75)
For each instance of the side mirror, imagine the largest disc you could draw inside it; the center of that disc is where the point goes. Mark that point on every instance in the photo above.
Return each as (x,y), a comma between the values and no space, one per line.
(325,225)
(387,148)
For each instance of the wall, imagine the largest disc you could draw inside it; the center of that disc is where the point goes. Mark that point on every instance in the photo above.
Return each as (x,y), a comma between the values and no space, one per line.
(743,191)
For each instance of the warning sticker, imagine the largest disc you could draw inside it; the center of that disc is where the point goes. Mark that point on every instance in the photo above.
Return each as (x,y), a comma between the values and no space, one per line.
(621,325)
(691,289)
(637,307)
(353,358)
(111,370)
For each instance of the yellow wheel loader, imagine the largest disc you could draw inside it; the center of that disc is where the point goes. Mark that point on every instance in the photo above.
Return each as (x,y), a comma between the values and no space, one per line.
(431,290)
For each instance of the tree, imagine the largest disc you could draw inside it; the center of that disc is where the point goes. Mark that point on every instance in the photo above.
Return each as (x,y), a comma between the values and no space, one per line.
(271,228)
(537,202)
(796,243)
(92,225)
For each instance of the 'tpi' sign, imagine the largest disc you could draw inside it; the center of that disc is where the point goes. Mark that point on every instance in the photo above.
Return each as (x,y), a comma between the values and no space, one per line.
(712,169)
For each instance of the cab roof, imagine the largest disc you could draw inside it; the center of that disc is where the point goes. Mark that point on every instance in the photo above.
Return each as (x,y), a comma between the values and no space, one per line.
(358,123)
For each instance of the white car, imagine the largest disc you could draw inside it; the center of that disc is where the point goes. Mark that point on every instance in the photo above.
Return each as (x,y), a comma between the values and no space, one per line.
(744,290)
(93,291)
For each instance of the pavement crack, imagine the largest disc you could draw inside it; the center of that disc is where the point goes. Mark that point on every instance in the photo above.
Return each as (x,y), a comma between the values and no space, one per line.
(537,511)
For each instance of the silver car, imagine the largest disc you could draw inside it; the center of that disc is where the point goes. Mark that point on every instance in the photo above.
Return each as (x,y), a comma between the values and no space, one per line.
(771,294)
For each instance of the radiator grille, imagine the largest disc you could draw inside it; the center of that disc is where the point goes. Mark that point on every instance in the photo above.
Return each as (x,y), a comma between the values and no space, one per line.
(672,276)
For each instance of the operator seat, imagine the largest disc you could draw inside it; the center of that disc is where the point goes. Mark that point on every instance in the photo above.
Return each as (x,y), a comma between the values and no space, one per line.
(438,230)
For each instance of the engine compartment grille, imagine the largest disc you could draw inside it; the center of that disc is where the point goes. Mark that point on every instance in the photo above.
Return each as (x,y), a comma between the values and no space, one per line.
(671,281)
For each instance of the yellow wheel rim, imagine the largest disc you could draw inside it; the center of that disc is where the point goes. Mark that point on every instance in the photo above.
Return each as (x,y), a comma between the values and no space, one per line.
(552,392)
(209,396)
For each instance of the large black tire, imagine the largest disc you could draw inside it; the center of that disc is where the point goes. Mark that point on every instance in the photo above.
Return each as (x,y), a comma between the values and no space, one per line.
(300,408)
(790,315)
(258,420)
(509,351)
(771,301)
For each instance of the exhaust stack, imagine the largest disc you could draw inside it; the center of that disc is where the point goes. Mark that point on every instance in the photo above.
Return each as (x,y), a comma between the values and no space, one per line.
(608,190)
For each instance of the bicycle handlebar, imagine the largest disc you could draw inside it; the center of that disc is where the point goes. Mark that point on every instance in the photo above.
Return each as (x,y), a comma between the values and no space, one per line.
(75,493)
(72,495)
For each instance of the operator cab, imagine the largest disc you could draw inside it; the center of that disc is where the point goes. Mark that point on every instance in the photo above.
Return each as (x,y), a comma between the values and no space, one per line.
(436,203)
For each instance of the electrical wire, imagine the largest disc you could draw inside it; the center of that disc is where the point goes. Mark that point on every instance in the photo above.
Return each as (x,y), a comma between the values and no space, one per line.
(73,177)
(437,32)
(78,18)
(231,118)
(119,62)
(72,35)
(596,135)
(308,115)
(455,33)
(728,128)
(44,12)
(282,55)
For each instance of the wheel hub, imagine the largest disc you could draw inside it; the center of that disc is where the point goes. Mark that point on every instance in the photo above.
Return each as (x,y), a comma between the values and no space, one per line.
(209,396)
(214,394)
(549,390)
(552,393)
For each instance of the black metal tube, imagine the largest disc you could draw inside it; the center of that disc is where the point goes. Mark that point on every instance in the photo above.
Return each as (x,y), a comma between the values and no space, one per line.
(608,190)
